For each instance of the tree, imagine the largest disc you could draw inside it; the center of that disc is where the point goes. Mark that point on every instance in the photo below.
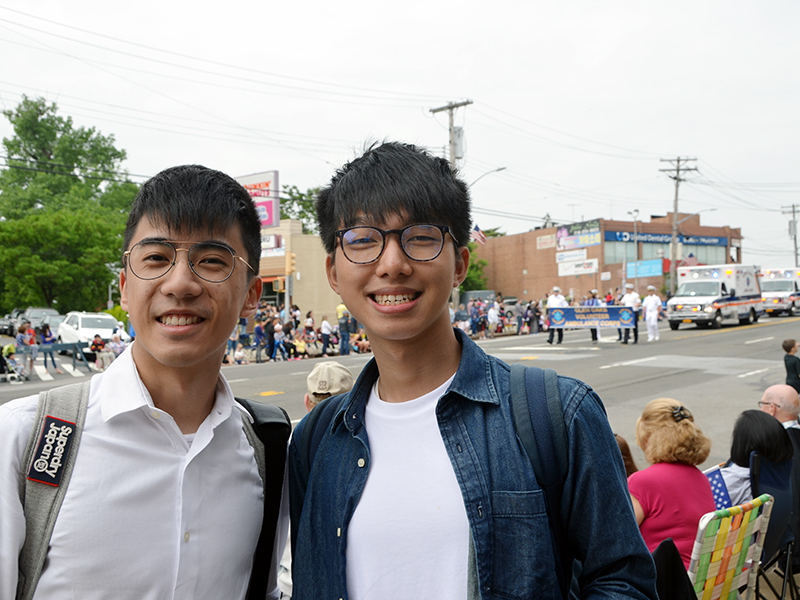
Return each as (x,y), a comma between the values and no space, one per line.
(300,205)
(475,279)
(59,259)
(63,205)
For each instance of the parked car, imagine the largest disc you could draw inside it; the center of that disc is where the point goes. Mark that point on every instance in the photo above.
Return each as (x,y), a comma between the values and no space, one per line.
(11,323)
(53,321)
(5,325)
(36,315)
(81,327)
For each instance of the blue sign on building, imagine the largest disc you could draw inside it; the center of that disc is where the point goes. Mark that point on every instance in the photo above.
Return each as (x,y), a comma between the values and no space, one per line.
(646,268)
(665,238)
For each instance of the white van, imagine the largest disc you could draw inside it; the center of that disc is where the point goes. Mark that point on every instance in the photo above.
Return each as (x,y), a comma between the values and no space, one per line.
(780,291)
(710,295)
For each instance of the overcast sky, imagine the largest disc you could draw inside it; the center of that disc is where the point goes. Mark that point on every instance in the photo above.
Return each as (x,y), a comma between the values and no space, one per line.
(578,101)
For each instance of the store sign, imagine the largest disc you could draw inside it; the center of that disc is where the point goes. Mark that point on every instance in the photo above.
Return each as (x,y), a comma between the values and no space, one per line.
(578,235)
(543,242)
(264,190)
(584,267)
(570,256)
(664,238)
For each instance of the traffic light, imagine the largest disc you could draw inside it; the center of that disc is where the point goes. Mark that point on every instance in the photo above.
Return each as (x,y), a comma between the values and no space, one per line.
(291,263)
(277,285)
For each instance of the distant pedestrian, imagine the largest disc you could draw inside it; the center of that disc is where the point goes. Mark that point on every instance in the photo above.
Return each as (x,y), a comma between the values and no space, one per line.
(591,301)
(652,311)
(631,300)
(792,363)
(555,300)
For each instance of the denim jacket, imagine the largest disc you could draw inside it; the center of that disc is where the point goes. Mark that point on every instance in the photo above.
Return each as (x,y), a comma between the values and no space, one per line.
(513,544)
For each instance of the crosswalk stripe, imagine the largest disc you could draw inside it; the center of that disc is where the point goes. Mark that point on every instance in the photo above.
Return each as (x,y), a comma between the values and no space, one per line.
(72,371)
(42,373)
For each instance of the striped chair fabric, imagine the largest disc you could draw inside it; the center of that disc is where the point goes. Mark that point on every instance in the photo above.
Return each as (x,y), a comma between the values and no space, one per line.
(726,552)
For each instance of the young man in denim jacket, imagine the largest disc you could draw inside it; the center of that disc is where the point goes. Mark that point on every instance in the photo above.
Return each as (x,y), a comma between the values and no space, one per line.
(419,487)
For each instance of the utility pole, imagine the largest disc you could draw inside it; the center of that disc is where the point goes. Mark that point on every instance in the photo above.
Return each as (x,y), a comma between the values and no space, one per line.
(792,228)
(450,108)
(673,248)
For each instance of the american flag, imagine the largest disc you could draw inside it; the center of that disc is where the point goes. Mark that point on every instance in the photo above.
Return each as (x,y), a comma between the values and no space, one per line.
(718,488)
(690,261)
(478,236)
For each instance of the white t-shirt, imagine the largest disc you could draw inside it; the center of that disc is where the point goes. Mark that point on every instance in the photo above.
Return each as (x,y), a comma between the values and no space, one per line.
(409,535)
(325,328)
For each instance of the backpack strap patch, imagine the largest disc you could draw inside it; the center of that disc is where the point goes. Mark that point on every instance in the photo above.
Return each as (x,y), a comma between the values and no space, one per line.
(52,451)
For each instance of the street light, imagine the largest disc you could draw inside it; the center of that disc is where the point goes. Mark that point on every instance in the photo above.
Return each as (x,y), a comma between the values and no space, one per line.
(673,248)
(485,174)
(635,214)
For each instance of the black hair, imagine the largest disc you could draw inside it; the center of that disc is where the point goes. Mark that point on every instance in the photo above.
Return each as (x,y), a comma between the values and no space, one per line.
(192,198)
(394,179)
(760,431)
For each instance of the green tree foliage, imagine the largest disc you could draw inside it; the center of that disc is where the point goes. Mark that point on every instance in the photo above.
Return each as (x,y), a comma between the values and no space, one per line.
(63,205)
(300,206)
(475,279)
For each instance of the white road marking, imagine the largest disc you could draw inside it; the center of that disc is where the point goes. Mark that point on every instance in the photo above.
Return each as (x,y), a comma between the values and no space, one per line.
(71,370)
(753,373)
(629,362)
(766,339)
(42,373)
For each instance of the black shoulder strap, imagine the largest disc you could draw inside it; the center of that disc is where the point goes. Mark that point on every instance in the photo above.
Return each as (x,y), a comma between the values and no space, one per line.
(272,426)
(539,418)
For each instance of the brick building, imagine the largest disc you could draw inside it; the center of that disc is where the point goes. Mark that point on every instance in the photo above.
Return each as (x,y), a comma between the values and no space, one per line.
(594,254)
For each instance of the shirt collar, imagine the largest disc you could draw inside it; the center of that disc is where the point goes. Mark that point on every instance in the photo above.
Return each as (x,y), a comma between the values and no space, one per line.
(119,389)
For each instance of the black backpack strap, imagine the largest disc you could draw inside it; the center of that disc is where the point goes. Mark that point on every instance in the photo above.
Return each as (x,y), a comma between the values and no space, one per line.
(539,419)
(272,428)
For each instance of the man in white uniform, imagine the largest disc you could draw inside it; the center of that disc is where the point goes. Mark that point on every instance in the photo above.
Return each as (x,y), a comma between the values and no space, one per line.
(652,310)
(556,300)
(165,500)
(631,300)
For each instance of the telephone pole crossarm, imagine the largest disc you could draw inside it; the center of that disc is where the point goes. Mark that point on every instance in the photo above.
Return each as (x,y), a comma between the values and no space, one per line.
(450,108)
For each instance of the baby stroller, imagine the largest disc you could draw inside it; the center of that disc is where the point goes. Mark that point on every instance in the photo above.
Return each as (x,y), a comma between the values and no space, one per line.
(12,370)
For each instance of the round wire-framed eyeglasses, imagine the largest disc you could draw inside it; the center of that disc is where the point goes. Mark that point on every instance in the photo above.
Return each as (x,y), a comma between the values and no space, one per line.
(210,261)
(362,244)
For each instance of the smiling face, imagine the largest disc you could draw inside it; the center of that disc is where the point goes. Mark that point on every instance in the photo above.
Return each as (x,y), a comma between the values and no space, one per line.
(182,321)
(395,298)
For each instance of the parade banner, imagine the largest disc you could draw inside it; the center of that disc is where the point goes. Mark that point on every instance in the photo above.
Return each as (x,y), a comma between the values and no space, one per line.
(588,317)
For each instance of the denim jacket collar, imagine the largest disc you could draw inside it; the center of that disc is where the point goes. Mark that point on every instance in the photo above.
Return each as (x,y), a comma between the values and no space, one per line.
(473,381)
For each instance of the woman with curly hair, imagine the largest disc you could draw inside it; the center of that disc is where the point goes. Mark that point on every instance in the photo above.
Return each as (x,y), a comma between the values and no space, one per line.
(671,495)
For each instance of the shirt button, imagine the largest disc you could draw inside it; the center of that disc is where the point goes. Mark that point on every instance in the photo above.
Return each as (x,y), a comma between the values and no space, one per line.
(186,537)
(155,415)
(361,462)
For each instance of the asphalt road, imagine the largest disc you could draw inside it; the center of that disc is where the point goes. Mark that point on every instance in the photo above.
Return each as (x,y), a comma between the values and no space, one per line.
(716,373)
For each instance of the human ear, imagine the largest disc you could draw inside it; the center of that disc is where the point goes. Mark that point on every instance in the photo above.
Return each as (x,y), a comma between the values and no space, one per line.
(123,291)
(330,271)
(253,295)
(462,265)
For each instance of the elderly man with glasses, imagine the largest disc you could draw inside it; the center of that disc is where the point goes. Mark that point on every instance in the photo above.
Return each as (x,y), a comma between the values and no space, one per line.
(169,489)
(782,402)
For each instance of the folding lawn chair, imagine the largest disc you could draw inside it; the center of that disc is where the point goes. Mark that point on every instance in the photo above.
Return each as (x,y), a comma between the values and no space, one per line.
(727,550)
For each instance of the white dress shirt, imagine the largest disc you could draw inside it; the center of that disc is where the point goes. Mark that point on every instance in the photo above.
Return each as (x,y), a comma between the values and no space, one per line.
(150,513)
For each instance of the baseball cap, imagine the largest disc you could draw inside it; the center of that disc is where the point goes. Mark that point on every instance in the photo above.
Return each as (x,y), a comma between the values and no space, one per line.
(329,377)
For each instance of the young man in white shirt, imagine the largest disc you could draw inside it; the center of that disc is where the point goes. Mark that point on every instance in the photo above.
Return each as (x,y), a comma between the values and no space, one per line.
(418,486)
(165,500)
(652,310)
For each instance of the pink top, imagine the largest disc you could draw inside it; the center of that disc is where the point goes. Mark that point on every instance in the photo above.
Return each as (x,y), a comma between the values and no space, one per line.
(673,497)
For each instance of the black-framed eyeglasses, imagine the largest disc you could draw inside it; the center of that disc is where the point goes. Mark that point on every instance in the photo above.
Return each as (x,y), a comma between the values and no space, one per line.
(362,245)
(210,261)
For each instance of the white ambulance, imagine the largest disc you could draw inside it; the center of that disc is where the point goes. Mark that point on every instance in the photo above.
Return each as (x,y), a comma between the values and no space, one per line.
(711,295)
(780,291)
